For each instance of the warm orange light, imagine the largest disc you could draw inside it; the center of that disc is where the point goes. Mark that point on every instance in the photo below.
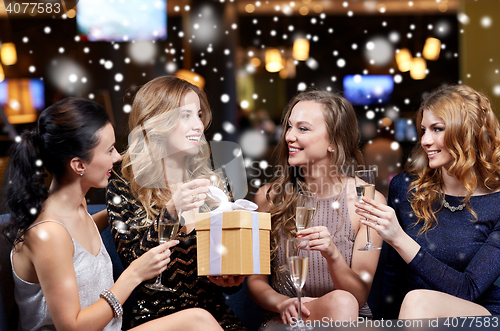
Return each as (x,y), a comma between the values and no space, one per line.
(300,49)
(273,60)
(403,59)
(304,11)
(318,8)
(2,74)
(8,54)
(191,77)
(255,61)
(249,8)
(432,48)
(71,13)
(418,68)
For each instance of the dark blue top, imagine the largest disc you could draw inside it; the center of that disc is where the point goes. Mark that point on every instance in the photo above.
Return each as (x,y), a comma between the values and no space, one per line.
(459,256)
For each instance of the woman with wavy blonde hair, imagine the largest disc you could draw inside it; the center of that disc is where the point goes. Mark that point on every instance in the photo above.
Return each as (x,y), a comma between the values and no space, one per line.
(318,151)
(167,164)
(443,222)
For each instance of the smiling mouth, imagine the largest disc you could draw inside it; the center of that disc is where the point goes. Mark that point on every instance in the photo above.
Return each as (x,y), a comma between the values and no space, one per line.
(293,149)
(194,138)
(432,153)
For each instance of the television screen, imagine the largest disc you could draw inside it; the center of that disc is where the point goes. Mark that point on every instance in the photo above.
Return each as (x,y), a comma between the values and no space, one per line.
(21,99)
(125,20)
(368,89)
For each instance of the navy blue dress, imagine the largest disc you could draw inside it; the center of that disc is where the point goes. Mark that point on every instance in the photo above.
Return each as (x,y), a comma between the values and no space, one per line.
(460,256)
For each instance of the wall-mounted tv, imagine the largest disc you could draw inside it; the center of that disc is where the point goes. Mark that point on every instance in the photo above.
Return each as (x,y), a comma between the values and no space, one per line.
(125,20)
(368,89)
(21,98)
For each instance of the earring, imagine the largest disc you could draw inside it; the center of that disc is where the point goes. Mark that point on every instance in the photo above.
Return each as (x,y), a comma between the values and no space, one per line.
(81,173)
(330,149)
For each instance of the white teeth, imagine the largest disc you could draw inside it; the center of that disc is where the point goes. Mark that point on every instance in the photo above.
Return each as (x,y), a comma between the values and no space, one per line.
(432,153)
(293,149)
(194,138)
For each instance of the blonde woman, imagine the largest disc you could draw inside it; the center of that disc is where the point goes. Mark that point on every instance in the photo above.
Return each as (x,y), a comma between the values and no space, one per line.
(443,222)
(317,151)
(167,164)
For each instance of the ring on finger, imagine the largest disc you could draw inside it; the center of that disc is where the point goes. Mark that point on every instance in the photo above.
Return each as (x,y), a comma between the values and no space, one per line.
(319,235)
(196,198)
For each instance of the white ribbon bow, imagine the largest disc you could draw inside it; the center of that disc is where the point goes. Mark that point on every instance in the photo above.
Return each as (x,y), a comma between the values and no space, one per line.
(225,205)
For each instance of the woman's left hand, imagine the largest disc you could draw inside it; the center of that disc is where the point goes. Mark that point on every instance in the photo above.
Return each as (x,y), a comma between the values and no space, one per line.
(227,281)
(320,240)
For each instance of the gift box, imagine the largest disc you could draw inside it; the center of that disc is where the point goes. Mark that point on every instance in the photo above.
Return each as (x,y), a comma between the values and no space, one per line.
(233,243)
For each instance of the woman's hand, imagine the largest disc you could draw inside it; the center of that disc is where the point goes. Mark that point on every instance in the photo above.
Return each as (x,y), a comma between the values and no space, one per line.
(227,281)
(320,240)
(188,196)
(381,218)
(153,262)
(289,309)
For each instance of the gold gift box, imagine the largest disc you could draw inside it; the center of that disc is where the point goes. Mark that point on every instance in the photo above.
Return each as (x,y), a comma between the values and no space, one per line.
(237,247)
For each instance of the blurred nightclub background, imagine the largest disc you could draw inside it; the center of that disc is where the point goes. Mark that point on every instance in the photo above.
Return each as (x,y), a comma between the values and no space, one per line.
(250,57)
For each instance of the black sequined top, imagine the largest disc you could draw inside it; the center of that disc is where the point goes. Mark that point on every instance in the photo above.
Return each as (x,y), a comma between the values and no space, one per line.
(459,256)
(181,274)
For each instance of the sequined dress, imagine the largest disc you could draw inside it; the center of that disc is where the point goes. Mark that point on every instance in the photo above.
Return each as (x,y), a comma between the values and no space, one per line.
(460,256)
(190,290)
(334,214)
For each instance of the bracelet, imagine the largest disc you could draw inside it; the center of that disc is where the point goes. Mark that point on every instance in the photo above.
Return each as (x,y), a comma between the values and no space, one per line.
(113,302)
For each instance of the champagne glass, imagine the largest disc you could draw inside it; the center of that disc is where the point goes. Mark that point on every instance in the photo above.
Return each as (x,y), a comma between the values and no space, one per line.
(297,253)
(365,187)
(307,204)
(167,230)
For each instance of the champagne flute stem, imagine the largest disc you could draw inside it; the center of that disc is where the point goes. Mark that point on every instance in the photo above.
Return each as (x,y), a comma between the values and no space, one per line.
(368,241)
(158,280)
(299,295)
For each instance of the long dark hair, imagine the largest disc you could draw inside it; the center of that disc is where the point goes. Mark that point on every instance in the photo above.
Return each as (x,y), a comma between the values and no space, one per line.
(65,130)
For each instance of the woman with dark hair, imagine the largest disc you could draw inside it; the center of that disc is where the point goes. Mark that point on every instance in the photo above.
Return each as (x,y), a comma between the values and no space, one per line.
(167,164)
(62,272)
(443,218)
(318,151)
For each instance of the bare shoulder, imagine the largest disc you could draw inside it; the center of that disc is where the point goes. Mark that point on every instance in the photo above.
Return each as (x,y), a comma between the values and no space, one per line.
(48,237)
(261,200)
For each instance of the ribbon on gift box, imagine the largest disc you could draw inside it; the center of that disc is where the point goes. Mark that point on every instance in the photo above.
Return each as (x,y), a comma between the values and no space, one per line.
(216,229)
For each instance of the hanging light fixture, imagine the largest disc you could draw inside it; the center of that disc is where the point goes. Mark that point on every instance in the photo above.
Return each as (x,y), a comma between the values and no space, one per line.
(300,49)
(273,60)
(191,77)
(404,59)
(418,68)
(8,54)
(432,48)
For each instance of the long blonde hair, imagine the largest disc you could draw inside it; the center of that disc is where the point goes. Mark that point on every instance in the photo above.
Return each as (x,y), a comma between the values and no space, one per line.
(342,127)
(472,137)
(151,119)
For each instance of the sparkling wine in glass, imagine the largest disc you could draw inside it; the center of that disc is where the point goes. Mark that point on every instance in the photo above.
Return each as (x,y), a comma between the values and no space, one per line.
(365,187)
(167,230)
(297,253)
(307,203)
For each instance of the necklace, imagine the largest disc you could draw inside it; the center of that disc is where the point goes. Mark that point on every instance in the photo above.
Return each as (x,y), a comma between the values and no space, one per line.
(453,209)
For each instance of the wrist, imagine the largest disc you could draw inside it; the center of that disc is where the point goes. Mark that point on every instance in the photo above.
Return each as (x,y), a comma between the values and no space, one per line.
(171,209)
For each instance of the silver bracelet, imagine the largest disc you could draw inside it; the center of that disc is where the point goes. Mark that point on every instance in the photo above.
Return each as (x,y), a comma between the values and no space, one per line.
(113,302)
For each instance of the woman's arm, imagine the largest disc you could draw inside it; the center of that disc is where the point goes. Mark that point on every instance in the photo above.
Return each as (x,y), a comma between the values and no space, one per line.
(481,272)
(258,285)
(357,278)
(50,249)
